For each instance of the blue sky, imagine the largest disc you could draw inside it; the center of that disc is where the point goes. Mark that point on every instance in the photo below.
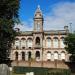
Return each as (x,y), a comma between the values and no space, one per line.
(28,7)
(57,13)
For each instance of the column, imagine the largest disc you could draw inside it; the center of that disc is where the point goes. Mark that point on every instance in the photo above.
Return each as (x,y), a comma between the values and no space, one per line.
(51,43)
(19,56)
(26,56)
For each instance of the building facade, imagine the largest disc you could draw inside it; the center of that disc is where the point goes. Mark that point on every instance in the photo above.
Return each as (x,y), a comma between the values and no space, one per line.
(39,47)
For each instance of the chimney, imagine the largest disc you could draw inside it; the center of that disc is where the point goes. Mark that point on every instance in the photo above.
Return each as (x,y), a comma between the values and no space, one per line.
(17,29)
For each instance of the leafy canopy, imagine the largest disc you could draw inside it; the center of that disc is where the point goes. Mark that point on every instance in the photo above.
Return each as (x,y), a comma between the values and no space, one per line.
(70,44)
(8,18)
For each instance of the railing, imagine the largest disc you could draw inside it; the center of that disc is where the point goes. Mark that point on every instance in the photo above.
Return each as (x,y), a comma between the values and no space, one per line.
(37,46)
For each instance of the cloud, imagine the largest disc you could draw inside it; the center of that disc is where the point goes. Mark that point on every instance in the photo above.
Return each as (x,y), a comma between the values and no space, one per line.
(62,14)
(25,26)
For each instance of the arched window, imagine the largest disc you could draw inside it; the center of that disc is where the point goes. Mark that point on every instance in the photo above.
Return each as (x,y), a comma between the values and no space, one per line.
(38,26)
(55,42)
(48,42)
(23,43)
(29,55)
(56,55)
(62,45)
(17,43)
(37,55)
(23,55)
(16,55)
(37,41)
(62,55)
(29,42)
(48,56)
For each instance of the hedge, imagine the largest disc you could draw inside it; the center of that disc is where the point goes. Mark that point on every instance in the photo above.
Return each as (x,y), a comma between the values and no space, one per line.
(41,71)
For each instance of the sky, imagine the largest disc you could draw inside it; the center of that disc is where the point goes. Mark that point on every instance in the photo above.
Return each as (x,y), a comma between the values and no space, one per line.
(56,13)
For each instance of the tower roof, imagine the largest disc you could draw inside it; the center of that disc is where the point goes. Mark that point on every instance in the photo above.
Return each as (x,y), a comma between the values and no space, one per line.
(38,13)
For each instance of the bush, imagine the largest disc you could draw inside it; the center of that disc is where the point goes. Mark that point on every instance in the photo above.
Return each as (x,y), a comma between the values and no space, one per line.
(41,71)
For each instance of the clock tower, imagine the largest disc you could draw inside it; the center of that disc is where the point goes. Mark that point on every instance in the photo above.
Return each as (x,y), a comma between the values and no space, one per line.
(38,20)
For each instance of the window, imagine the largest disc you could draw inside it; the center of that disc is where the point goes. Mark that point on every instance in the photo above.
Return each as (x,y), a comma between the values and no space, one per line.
(62,55)
(16,55)
(48,56)
(29,55)
(55,42)
(55,55)
(37,55)
(48,42)
(17,42)
(23,43)
(17,47)
(38,26)
(29,42)
(37,41)
(23,55)
(62,45)
(23,47)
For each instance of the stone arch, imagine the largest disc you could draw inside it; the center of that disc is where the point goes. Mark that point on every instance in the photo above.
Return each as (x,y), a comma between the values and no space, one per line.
(17,43)
(23,43)
(37,55)
(37,41)
(29,55)
(29,42)
(62,38)
(48,42)
(62,45)
(63,56)
(48,55)
(16,38)
(56,56)
(23,39)
(16,55)
(23,55)
(55,42)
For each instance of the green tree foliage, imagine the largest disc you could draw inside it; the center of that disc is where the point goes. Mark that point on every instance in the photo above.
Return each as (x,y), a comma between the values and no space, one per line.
(8,18)
(70,45)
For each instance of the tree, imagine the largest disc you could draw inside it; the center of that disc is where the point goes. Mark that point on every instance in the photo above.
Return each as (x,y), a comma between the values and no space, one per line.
(70,45)
(8,18)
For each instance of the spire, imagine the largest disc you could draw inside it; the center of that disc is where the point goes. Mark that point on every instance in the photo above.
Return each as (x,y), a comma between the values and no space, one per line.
(38,9)
(38,12)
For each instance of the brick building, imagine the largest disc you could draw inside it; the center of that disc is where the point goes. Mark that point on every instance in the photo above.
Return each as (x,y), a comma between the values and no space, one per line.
(39,47)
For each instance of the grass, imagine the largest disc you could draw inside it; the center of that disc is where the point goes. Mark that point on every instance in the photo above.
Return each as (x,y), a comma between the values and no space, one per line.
(17,74)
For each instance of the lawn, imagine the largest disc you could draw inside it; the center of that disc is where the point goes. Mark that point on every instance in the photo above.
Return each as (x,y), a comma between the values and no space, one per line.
(17,74)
